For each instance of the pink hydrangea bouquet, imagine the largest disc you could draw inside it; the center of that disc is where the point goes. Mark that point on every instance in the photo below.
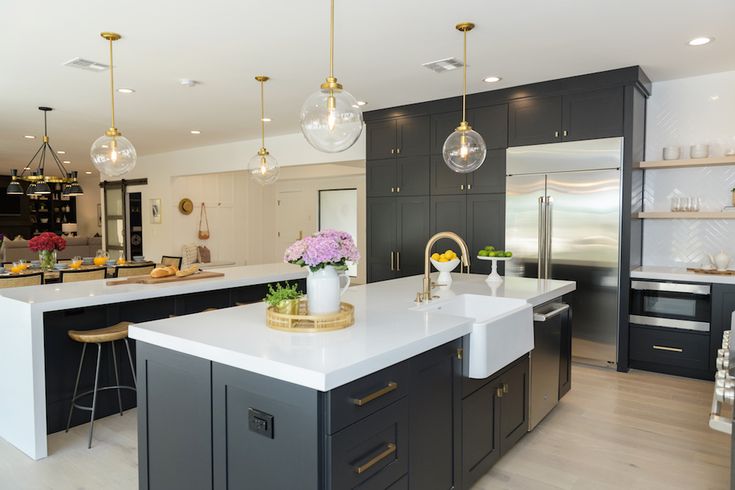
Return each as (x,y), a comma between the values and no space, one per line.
(327,247)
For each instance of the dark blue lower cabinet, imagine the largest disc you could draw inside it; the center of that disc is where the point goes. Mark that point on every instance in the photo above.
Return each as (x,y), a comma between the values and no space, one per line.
(203,426)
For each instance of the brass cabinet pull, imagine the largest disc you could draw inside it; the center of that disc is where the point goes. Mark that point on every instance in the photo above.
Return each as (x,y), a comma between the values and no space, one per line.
(668,349)
(391,386)
(505,388)
(460,353)
(469,187)
(398,261)
(392,151)
(391,261)
(499,392)
(565,133)
(398,189)
(461,187)
(392,189)
(556,134)
(398,150)
(390,448)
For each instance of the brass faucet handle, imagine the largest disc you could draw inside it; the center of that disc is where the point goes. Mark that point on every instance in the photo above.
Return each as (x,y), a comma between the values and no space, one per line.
(419,297)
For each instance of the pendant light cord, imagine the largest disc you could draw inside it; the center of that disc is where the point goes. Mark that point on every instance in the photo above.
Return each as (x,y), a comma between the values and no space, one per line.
(262,116)
(464,91)
(112,87)
(331,39)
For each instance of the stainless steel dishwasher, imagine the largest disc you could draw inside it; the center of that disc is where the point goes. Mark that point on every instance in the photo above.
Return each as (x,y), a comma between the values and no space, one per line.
(544,382)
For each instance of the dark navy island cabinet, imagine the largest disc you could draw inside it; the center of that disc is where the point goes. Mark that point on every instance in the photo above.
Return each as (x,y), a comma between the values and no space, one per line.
(416,425)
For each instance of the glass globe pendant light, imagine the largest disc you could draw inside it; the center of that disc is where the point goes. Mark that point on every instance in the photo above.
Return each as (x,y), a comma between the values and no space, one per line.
(464,150)
(263,167)
(113,154)
(331,119)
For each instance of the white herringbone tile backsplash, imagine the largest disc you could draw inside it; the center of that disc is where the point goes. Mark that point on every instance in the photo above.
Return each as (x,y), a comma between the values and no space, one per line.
(684,112)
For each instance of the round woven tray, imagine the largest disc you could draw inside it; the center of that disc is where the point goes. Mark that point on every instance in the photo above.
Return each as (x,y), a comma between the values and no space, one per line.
(303,322)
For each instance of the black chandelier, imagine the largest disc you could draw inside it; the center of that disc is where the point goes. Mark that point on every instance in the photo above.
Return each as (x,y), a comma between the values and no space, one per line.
(38,180)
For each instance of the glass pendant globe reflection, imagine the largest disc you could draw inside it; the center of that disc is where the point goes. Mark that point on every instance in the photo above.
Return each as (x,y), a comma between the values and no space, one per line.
(113,155)
(263,167)
(464,150)
(331,120)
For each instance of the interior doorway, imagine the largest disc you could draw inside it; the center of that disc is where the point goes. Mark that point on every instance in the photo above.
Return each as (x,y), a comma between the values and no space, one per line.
(338,211)
(293,220)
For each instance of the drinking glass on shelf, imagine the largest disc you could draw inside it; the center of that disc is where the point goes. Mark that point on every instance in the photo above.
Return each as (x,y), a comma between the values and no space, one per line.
(675,204)
(696,203)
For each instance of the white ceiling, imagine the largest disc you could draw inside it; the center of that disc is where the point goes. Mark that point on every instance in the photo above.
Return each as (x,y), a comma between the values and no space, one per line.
(381,45)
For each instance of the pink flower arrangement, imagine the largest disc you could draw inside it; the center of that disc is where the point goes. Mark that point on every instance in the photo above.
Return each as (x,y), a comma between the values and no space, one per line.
(327,247)
(46,241)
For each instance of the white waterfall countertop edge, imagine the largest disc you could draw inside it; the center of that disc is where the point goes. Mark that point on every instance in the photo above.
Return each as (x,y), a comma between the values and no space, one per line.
(387,330)
(51,297)
(678,274)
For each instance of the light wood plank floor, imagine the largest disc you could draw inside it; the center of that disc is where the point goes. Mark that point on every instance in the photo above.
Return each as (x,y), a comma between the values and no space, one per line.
(633,431)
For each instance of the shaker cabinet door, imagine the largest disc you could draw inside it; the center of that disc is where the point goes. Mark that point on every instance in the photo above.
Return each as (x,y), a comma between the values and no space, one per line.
(595,114)
(448,213)
(445,181)
(412,175)
(381,238)
(514,405)
(381,139)
(413,231)
(490,177)
(492,124)
(442,125)
(534,120)
(480,433)
(414,135)
(381,177)
(486,226)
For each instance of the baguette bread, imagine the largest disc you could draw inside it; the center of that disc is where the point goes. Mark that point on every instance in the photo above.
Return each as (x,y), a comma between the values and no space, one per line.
(188,271)
(162,272)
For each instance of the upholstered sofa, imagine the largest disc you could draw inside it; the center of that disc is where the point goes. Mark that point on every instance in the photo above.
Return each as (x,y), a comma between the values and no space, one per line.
(75,246)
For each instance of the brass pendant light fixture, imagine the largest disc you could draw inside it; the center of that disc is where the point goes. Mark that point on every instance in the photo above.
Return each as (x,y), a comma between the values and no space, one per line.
(263,167)
(464,150)
(38,180)
(331,119)
(112,153)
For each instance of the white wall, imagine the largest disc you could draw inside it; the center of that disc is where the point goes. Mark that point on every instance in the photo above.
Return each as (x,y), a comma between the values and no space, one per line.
(87,205)
(164,172)
(684,112)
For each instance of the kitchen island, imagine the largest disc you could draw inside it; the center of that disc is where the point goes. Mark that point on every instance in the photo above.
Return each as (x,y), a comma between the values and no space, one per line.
(226,402)
(40,361)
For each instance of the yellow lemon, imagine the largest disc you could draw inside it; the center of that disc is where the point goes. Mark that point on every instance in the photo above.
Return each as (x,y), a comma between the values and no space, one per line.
(450,252)
(443,259)
(435,256)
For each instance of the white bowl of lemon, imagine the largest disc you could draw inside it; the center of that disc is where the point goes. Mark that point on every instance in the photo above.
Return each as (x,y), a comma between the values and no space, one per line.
(445,263)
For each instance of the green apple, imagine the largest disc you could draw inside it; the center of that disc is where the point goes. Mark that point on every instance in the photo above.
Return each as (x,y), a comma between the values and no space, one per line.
(482,253)
(509,254)
(489,248)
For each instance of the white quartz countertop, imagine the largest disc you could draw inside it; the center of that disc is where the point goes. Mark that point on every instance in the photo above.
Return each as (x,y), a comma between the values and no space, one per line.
(678,274)
(50,297)
(387,330)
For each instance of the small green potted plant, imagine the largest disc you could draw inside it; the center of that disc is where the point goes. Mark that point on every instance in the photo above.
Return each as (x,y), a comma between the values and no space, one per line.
(284,299)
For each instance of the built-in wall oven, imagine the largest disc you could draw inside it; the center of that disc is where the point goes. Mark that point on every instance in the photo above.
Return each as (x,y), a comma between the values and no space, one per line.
(671,304)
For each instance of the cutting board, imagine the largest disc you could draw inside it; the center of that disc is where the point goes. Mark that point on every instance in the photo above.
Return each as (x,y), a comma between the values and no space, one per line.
(713,272)
(159,280)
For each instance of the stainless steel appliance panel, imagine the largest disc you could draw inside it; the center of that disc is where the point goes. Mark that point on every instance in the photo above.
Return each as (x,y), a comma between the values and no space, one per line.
(522,223)
(545,361)
(584,212)
(565,157)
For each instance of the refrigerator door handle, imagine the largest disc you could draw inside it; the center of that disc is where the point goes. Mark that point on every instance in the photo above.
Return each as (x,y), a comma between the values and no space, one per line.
(541,237)
(548,236)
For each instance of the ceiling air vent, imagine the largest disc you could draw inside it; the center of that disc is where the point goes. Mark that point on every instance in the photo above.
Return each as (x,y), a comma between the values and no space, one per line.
(88,65)
(447,64)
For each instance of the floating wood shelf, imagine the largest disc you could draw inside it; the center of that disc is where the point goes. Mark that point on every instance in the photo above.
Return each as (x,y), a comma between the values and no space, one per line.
(685,215)
(693,162)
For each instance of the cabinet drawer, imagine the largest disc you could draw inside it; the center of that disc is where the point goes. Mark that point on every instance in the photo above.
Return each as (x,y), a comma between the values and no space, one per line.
(672,348)
(360,398)
(372,453)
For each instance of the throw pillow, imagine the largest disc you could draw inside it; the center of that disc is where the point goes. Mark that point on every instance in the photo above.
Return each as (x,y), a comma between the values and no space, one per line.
(189,255)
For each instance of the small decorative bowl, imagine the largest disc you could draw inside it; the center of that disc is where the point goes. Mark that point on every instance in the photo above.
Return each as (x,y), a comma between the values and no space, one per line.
(88,260)
(111,263)
(445,269)
(61,266)
(138,258)
(35,264)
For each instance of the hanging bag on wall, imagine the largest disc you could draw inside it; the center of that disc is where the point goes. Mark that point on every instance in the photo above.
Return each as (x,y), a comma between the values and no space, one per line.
(203,229)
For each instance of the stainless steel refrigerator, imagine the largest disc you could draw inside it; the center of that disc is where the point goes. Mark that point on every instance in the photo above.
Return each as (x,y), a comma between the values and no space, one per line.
(563,221)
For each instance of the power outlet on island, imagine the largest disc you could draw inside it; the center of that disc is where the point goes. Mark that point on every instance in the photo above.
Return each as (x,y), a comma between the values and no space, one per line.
(260,422)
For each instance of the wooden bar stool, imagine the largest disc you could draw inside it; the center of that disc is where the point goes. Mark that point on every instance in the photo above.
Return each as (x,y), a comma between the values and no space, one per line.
(107,335)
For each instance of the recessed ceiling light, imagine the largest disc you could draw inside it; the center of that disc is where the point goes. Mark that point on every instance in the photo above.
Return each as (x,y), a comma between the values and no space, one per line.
(491,79)
(88,172)
(187,82)
(195,131)
(266,119)
(126,90)
(26,168)
(361,102)
(29,137)
(700,41)
(714,97)
(66,161)
(61,152)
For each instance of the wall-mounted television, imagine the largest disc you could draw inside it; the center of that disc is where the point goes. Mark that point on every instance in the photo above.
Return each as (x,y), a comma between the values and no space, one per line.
(9,204)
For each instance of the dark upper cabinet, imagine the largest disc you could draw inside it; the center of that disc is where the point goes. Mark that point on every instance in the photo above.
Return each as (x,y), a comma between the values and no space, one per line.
(513,405)
(380,176)
(534,120)
(442,125)
(448,213)
(412,175)
(435,419)
(413,231)
(444,180)
(492,124)
(485,226)
(381,139)
(381,238)
(595,114)
(413,136)
(490,177)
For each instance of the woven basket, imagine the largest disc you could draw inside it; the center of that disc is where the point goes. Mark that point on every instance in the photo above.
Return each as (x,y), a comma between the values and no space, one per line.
(303,322)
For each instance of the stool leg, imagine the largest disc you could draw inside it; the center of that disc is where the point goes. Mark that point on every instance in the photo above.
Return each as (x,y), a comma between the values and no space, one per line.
(132,369)
(117,376)
(94,394)
(76,386)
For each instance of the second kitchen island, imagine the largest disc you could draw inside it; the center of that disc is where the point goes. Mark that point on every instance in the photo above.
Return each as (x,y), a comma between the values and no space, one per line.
(385,403)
